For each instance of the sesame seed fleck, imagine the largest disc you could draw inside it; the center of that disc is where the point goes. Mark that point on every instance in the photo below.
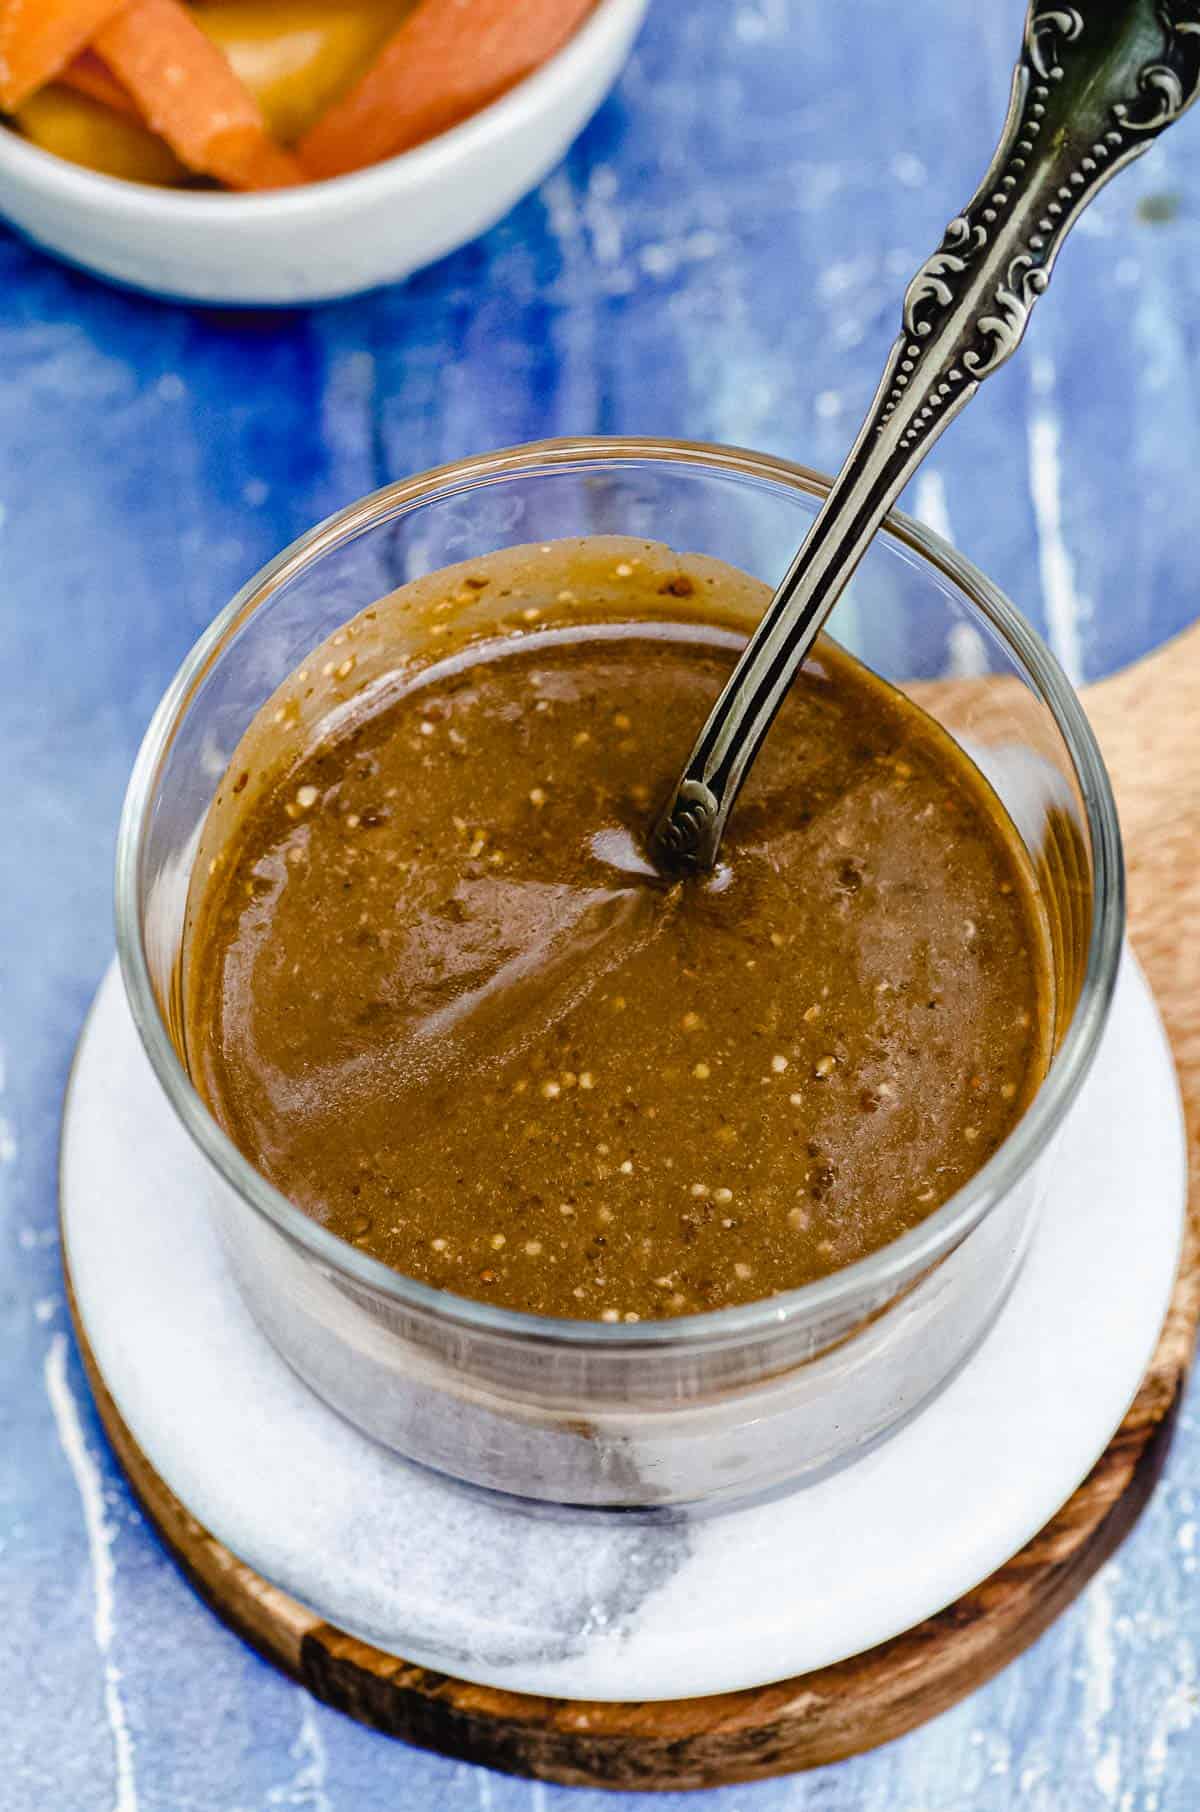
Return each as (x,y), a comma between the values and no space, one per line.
(439,1245)
(551,1090)
(824,1066)
(537,796)
(796,1098)
(306,797)
(690,1022)
(623,570)
(610,1314)
(813,1012)
(701,1072)
(586,1079)
(722,1195)
(533,1247)
(1008,1090)
(699,1190)
(779,1063)
(627,1168)
(742,1270)
(499,1240)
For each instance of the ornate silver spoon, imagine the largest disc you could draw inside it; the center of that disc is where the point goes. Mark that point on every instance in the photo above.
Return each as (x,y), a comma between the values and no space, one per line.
(1094,86)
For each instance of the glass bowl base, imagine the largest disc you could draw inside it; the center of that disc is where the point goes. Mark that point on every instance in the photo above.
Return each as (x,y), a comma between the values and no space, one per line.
(577,1606)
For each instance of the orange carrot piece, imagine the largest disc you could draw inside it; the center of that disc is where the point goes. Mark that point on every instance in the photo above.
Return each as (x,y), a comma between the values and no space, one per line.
(38,37)
(188,94)
(88,75)
(446,61)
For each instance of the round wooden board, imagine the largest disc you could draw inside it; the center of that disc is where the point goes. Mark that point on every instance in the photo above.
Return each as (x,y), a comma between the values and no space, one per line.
(1144,719)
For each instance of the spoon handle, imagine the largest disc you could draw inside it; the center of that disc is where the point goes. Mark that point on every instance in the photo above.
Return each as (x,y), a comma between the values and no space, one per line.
(1094,86)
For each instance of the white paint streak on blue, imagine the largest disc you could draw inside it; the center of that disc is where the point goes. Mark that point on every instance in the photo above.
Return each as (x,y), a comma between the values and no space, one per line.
(562,215)
(31,1238)
(909,170)
(1099,1644)
(843,275)
(1176,1712)
(8,1138)
(929,502)
(603,217)
(483,1790)
(308,1787)
(966,650)
(757,24)
(1064,609)
(86,1474)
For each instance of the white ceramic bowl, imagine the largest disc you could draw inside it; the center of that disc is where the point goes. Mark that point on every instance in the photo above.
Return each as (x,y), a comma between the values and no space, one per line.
(327,239)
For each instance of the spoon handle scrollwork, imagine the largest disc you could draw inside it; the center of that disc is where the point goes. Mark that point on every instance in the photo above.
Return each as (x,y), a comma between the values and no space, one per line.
(1095,84)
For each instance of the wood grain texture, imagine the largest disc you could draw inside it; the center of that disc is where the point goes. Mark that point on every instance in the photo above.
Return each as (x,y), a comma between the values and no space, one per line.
(1144,720)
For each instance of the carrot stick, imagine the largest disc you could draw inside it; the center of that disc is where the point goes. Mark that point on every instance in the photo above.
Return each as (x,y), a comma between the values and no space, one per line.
(190,96)
(86,74)
(448,59)
(37,37)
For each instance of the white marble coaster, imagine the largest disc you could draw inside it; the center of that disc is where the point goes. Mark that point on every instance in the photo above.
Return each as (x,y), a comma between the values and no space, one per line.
(621,1610)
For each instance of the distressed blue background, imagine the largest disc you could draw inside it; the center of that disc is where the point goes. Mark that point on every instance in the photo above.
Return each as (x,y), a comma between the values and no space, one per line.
(719,257)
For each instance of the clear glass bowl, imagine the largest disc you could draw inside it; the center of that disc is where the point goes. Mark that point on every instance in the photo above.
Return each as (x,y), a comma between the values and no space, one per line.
(705,1409)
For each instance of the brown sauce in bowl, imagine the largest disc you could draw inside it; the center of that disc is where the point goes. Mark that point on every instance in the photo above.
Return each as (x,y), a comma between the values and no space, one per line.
(437,996)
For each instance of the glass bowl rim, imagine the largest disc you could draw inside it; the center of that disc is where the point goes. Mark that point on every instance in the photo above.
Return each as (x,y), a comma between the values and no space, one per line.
(903,1258)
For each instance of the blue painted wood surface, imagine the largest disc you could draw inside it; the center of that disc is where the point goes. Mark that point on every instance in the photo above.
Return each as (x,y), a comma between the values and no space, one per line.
(719,257)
